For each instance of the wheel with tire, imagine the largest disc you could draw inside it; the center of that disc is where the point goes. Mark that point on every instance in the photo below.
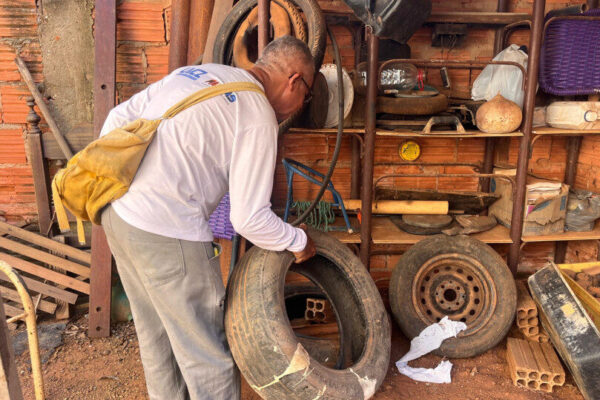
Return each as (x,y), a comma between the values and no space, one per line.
(459,277)
(310,8)
(264,346)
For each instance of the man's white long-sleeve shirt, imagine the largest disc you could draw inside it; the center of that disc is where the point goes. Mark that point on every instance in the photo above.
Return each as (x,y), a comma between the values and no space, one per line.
(228,142)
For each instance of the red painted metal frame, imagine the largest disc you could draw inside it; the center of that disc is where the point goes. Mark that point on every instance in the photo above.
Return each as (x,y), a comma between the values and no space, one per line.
(523,158)
(104,101)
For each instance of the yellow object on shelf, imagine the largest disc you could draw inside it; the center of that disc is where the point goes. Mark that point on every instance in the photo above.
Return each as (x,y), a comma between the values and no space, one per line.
(409,150)
(402,206)
(589,302)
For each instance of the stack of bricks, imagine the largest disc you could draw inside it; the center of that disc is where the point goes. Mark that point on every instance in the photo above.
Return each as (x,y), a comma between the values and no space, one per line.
(534,365)
(319,310)
(527,315)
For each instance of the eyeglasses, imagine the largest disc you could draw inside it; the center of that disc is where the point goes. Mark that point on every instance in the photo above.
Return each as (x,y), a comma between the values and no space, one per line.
(309,93)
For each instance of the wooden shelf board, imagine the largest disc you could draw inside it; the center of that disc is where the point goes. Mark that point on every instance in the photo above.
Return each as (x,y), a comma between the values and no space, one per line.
(477,17)
(385,232)
(547,130)
(565,236)
(407,133)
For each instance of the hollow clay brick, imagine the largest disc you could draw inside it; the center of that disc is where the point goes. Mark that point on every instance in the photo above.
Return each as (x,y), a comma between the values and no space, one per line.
(534,365)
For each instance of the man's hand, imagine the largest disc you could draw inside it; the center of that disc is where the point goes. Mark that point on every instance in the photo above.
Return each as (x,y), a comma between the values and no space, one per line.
(309,250)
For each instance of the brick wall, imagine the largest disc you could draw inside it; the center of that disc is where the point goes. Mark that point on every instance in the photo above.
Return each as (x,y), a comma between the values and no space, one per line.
(142,57)
(18,35)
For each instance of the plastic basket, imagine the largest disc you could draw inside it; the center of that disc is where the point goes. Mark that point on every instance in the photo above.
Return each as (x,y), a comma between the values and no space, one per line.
(219,220)
(570,55)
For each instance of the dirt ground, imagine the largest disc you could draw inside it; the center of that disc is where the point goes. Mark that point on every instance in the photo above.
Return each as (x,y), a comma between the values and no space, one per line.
(110,368)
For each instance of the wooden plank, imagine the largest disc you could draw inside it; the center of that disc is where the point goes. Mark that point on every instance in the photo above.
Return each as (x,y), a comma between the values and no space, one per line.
(44,288)
(565,236)
(43,107)
(475,17)
(385,232)
(41,180)
(548,130)
(406,133)
(12,311)
(49,244)
(10,388)
(45,257)
(77,138)
(45,273)
(220,10)
(13,295)
(104,101)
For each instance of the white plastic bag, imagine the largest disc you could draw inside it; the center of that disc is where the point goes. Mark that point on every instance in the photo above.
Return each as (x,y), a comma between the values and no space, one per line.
(504,79)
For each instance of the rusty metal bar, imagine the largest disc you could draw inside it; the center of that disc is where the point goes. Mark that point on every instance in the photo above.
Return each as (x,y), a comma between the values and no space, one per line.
(573,146)
(516,226)
(498,39)
(264,15)
(180,21)
(199,15)
(357,150)
(370,121)
(104,101)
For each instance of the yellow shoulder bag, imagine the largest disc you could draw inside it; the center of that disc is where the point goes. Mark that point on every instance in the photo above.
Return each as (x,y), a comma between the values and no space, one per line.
(104,169)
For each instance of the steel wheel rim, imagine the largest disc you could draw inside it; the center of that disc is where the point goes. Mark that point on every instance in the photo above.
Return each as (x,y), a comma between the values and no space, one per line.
(457,286)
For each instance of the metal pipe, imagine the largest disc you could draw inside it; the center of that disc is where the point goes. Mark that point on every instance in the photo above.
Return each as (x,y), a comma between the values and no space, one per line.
(30,322)
(180,21)
(498,37)
(573,146)
(200,15)
(516,226)
(264,16)
(368,159)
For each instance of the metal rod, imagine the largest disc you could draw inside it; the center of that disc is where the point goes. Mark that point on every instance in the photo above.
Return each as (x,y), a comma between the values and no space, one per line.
(498,37)
(263,24)
(180,21)
(516,226)
(368,159)
(62,143)
(573,146)
(30,322)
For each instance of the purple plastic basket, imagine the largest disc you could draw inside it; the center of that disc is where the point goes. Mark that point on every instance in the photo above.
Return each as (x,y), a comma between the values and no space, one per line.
(219,220)
(570,55)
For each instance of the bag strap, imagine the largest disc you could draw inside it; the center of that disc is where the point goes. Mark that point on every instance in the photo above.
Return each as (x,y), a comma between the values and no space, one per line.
(209,92)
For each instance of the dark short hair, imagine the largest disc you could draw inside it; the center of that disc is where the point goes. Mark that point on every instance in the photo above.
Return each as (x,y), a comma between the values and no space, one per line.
(284,50)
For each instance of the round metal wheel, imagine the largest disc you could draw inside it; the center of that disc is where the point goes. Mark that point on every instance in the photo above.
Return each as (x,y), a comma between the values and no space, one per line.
(459,277)
(456,286)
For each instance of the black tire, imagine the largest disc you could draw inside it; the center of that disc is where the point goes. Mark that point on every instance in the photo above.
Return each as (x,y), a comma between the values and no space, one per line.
(462,278)
(264,345)
(222,51)
(316,29)
(418,230)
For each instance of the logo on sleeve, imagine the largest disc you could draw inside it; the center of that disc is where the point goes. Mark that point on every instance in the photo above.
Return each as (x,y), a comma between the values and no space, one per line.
(192,72)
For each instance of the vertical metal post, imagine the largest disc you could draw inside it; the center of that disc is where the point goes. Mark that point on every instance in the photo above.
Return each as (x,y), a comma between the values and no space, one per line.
(200,15)
(264,12)
(180,21)
(490,143)
(356,144)
(368,159)
(104,100)
(573,146)
(516,227)
(502,7)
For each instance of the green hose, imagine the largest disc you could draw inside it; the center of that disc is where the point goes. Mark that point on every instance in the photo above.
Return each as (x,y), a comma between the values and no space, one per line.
(319,217)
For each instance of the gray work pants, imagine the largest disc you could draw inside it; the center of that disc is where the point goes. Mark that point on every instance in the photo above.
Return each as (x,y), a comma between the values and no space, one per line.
(176,295)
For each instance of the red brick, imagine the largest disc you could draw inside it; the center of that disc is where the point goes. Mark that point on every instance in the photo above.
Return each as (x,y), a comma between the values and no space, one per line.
(130,65)
(14,106)
(158,62)
(12,148)
(141,21)
(18,19)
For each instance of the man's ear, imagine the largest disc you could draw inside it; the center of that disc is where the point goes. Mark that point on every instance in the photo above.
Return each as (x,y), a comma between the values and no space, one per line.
(292,81)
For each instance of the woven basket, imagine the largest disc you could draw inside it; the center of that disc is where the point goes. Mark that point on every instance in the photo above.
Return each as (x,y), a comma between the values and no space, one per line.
(219,220)
(570,55)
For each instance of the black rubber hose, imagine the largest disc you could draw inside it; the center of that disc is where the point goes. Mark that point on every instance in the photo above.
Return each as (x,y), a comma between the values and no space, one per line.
(338,141)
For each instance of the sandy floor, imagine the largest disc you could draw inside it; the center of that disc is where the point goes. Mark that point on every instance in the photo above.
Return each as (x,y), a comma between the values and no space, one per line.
(111,369)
